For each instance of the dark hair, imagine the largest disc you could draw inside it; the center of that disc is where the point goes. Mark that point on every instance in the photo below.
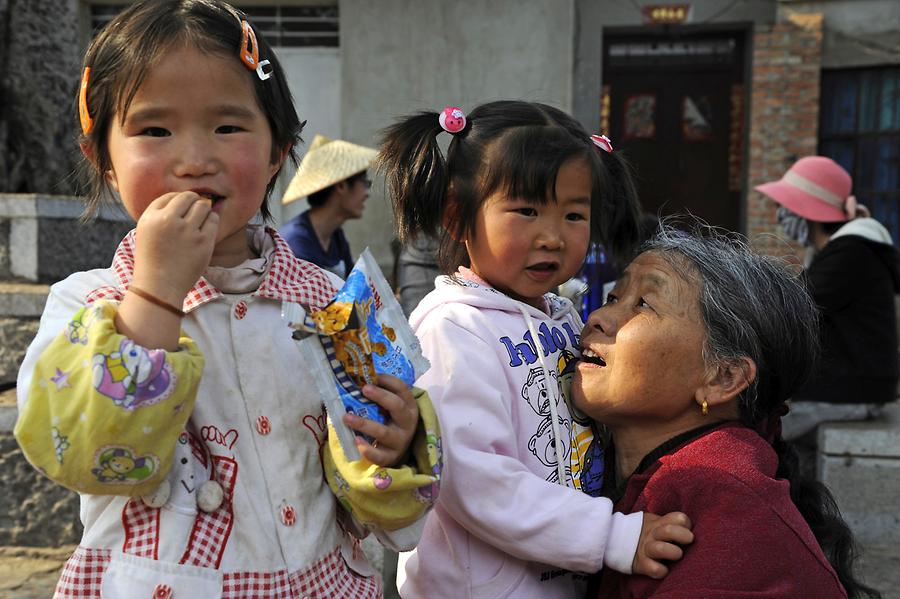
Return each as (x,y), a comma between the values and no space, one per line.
(128,46)
(318,198)
(506,145)
(754,306)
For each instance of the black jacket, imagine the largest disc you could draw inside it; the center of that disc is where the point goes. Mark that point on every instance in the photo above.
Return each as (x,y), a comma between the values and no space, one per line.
(854,280)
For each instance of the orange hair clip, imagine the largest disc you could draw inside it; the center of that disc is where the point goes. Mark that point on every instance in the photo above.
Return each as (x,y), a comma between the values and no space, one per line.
(87,123)
(250,52)
(249,49)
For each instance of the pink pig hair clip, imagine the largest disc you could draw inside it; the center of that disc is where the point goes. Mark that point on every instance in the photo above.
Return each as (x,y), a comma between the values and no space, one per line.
(452,119)
(602,142)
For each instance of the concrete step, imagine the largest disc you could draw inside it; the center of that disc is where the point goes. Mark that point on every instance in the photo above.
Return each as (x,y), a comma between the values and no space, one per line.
(860,464)
(21,305)
(43,239)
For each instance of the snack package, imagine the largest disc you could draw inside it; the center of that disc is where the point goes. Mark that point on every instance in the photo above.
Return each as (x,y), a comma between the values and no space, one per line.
(360,334)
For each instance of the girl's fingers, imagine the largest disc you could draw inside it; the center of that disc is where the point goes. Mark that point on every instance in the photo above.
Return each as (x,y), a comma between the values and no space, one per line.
(395,396)
(386,399)
(211,224)
(370,428)
(659,550)
(379,455)
(391,383)
(162,201)
(181,202)
(198,212)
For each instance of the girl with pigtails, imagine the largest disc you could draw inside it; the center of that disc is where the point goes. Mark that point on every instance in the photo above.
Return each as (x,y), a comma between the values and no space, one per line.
(515,203)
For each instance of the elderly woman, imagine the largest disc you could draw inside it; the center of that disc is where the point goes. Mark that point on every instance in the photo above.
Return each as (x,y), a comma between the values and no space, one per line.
(689,364)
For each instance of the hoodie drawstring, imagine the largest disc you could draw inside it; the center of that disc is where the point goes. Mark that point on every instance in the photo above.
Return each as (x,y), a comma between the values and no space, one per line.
(553,397)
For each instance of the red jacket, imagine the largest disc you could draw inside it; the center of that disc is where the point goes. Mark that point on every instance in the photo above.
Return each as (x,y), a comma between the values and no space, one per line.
(749,538)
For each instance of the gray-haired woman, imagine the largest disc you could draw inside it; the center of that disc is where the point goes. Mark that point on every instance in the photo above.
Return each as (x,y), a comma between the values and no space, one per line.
(689,364)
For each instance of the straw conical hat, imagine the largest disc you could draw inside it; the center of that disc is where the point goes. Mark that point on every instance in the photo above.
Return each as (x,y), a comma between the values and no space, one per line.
(327,162)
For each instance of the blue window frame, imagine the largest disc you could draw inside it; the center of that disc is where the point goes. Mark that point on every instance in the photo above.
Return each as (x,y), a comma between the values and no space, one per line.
(860,130)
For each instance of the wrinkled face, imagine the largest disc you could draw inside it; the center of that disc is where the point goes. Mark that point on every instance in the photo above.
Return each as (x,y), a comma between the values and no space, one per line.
(195,125)
(524,249)
(642,351)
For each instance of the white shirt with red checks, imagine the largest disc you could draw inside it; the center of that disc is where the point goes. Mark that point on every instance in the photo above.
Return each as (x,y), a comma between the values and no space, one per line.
(257,430)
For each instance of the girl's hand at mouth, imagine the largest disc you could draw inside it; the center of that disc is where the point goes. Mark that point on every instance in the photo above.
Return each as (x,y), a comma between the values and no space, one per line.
(174,242)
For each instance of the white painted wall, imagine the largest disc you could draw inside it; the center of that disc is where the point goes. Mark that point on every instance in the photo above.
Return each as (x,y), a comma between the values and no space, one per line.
(314,76)
(858,33)
(400,56)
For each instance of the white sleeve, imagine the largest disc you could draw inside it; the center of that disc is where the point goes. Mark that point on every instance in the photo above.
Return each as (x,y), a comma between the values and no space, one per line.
(486,488)
(63,303)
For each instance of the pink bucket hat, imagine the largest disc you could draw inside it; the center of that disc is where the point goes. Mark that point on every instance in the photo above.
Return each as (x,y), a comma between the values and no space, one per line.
(815,187)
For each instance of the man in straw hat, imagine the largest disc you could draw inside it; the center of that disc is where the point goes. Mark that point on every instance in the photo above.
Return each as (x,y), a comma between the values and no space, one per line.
(853,276)
(333,176)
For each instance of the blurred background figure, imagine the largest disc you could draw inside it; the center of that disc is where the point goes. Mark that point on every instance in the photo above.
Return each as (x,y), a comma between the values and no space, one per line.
(333,176)
(416,269)
(852,273)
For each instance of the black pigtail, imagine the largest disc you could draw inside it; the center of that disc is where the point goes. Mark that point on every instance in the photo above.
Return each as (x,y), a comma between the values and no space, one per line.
(416,174)
(617,226)
(819,509)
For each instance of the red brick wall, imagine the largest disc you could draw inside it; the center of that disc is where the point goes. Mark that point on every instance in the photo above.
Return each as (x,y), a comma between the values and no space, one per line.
(784,114)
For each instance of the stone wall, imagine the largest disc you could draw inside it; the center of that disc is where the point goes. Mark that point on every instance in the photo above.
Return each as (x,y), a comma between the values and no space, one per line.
(42,240)
(784,114)
(34,511)
(40,56)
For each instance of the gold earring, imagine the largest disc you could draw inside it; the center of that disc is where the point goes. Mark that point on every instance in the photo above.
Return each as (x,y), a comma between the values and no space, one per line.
(704,407)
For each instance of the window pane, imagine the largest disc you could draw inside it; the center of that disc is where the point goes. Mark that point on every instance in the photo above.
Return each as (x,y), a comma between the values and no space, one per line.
(839,102)
(864,178)
(885,210)
(890,100)
(868,100)
(888,164)
(841,152)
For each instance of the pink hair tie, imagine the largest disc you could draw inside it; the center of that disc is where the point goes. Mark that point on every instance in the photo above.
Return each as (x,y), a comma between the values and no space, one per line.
(602,142)
(452,119)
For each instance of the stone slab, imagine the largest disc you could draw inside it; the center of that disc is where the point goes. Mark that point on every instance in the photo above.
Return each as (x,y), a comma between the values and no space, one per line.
(867,491)
(16,335)
(34,205)
(34,510)
(23,299)
(8,415)
(873,439)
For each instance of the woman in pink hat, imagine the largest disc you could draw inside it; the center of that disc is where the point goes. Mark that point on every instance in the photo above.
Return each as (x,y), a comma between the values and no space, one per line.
(853,276)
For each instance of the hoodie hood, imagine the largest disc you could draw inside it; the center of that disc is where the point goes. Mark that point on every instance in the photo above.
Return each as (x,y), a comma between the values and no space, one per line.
(878,239)
(869,228)
(464,287)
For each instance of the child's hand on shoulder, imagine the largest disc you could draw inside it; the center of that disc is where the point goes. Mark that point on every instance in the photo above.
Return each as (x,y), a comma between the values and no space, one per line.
(175,238)
(391,440)
(660,540)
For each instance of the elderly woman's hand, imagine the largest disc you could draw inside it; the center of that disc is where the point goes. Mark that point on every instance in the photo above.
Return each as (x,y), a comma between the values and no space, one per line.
(659,535)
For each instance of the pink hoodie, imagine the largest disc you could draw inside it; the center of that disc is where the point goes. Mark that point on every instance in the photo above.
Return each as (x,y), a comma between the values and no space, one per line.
(511,520)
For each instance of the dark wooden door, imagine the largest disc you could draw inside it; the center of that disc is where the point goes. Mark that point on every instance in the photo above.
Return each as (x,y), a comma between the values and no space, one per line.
(677,124)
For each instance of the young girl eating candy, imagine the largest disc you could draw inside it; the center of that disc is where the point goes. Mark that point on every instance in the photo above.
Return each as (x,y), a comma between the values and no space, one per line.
(167,389)
(515,203)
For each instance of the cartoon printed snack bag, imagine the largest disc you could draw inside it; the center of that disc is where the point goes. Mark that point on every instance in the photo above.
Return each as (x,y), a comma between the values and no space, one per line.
(360,334)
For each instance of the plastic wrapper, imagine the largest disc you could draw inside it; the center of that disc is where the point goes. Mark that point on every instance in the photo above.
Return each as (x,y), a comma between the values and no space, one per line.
(360,334)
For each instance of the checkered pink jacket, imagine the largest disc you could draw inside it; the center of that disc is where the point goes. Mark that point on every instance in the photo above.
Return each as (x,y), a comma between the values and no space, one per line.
(256,430)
